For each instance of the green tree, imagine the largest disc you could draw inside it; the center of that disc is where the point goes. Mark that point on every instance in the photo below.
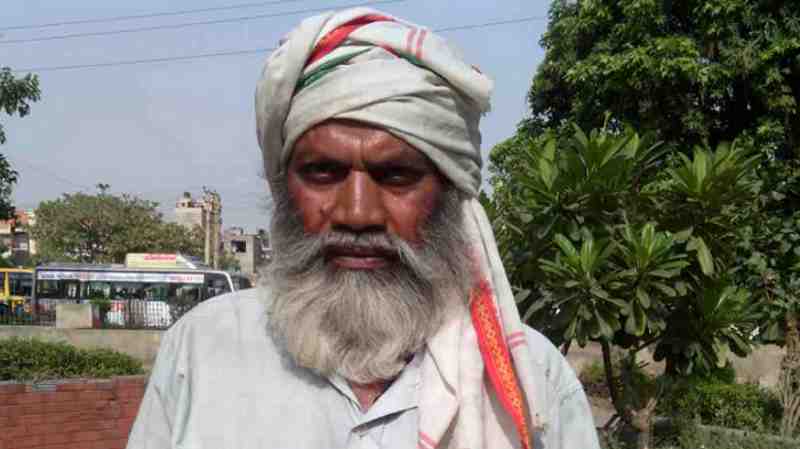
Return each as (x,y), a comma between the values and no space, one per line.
(103,228)
(229,262)
(607,242)
(693,71)
(16,95)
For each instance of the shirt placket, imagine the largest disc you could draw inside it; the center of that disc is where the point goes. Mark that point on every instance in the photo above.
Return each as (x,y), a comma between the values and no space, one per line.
(368,428)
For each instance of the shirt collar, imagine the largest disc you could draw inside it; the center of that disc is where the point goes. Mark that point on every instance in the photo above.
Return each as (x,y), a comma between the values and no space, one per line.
(402,394)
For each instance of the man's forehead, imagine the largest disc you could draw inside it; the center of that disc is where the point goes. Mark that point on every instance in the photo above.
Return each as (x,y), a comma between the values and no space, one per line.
(343,139)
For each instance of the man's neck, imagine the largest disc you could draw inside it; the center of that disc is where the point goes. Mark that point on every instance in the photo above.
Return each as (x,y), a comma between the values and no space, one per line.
(367,394)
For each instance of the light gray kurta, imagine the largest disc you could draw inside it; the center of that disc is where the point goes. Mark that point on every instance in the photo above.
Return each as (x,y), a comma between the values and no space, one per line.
(220,382)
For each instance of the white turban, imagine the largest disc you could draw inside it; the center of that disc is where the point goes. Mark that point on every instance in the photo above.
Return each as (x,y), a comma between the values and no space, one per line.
(366,66)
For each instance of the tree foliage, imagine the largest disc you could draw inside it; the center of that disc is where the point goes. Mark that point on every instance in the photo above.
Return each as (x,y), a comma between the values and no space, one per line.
(691,244)
(16,95)
(607,243)
(103,228)
(693,71)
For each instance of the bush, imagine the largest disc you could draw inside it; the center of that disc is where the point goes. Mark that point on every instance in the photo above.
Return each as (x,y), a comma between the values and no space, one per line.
(693,437)
(725,375)
(736,406)
(33,360)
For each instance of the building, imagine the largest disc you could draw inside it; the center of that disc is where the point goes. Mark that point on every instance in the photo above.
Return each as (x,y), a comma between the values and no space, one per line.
(15,238)
(248,249)
(190,212)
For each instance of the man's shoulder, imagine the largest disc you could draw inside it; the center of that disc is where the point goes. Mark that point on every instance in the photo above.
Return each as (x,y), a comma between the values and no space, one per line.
(542,349)
(230,330)
(557,371)
(223,313)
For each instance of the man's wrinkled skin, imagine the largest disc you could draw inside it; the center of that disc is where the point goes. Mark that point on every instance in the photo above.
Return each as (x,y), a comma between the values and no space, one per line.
(347,176)
(358,178)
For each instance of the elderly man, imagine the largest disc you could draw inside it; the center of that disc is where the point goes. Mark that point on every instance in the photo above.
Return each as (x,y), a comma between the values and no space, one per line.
(386,319)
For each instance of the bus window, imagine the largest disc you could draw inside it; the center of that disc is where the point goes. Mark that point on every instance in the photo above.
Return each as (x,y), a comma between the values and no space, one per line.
(50,289)
(127,290)
(216,284)
(97,290)
(156,292)
(185,292)
(72,289)
(20,284)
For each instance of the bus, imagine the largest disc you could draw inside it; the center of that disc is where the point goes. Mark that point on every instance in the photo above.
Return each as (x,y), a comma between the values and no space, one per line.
(152,292)
(16,290)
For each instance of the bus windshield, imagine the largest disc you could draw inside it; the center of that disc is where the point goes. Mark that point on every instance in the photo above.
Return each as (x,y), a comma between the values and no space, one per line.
(20,284)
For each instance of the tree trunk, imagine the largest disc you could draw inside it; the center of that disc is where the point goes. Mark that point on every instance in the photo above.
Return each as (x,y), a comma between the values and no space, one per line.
(611,382)
(792,335)
(565,347)
(789,390)
(643,438)
(642,423)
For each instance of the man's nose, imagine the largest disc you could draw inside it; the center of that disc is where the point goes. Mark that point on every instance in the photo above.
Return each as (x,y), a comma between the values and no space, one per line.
(359,205)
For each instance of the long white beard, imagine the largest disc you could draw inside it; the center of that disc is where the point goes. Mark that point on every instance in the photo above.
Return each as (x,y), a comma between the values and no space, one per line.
(364,325)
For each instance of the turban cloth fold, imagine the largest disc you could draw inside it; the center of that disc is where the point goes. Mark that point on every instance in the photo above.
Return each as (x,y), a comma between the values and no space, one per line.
(363,65)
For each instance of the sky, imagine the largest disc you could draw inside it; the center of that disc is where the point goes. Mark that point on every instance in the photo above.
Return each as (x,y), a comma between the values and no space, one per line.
(159,129)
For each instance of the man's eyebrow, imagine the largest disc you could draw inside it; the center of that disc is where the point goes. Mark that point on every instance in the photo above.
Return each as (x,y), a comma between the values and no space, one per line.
(389,164)
(401,156)
(317,157)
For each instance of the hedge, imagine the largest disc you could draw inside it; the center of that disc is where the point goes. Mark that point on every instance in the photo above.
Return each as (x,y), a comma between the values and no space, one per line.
(735,406)
(23,359)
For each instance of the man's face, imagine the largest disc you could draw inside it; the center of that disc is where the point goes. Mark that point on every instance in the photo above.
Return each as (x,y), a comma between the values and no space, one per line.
(369,251)
(354,178)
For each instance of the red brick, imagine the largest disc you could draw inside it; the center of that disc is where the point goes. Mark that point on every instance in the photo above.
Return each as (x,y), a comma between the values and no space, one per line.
(9,398)
(33,398)
(92,396)
(64,396)
(111,411)
(32,420)
(33,409)
(89,435)
(114,444)
(14,433)
(11,411)
(11,388)
(129,410)
(95,424)
(124,428)
(74,426)
(103,385)
(30,441)
(57,438)
(131,380)
(56,407)
(58,418)
(131,394)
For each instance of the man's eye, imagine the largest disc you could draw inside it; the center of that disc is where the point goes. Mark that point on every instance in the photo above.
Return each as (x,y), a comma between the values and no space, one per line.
(322,172)
(398,176)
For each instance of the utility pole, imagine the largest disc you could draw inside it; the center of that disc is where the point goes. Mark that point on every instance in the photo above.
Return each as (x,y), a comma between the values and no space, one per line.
(207,226)
(216,207)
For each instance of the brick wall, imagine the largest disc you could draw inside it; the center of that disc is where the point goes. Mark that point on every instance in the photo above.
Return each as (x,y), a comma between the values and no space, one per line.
(69,414)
